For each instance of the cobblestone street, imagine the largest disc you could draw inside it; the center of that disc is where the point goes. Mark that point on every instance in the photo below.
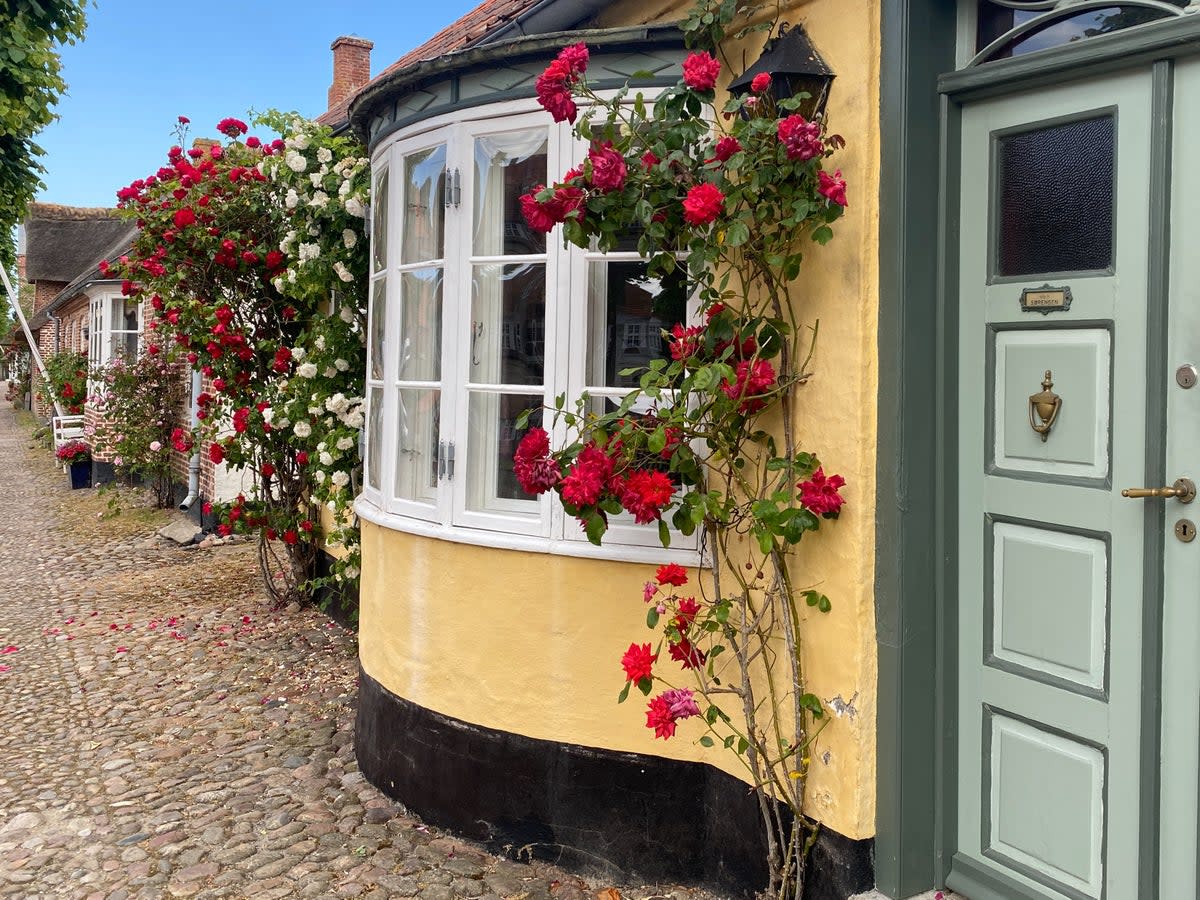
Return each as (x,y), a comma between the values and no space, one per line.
(167,735)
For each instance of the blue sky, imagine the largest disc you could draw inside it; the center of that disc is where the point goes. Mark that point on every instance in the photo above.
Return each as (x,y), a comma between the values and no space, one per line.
(145,62)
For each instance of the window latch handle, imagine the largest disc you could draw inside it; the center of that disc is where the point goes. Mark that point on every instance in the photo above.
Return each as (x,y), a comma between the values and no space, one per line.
(457,190)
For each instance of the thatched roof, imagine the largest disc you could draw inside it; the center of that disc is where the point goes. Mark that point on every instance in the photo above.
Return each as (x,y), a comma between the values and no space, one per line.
(63,242)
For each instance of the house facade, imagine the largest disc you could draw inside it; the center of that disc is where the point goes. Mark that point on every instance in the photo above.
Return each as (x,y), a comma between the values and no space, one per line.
(1004,378)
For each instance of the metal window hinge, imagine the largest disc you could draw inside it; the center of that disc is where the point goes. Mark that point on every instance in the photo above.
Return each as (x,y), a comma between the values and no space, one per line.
(441,460)
(452,188)
(450,461)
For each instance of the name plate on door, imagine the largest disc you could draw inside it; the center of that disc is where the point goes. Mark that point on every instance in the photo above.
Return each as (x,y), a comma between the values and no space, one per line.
(1046,299)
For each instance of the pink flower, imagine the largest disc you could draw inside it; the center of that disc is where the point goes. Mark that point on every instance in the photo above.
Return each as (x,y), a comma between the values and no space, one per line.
(667,708)
(637,662)
(607,166)
(760,82)
(832,186)
(184,120)
(703,203)
(649,160)
(649,589)
(681,702)
(688,608)
(800,137)
(672,573)
(820,494)
(700,71)
(535,469)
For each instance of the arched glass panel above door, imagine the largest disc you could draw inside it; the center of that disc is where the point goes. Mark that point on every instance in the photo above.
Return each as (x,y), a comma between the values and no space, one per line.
(1007,28)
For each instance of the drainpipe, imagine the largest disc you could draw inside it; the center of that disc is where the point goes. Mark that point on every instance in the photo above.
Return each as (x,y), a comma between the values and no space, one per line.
(193,463)
(57,331)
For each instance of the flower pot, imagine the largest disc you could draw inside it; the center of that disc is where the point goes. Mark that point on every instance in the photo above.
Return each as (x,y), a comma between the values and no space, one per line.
(81,474)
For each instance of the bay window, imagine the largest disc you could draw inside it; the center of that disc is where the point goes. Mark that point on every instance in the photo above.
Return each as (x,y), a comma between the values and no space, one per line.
(115,328)
(475,317)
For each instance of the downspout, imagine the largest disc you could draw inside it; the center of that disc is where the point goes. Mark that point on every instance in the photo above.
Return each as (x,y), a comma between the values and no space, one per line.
(57,332)
(193,463)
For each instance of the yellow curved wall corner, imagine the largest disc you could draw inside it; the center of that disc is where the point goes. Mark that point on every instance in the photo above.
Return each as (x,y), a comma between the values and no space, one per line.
(530,643)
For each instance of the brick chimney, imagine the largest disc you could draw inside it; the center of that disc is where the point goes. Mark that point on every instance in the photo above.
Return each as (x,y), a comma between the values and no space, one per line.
(351,67)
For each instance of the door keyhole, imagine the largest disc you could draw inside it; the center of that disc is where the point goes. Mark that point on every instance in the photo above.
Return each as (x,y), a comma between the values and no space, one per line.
(1185,530)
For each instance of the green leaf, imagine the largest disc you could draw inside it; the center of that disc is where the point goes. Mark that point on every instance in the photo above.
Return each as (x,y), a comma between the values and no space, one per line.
(824,605)
(822,235)
(812,703)
(595,528)
(664,533)
(742,745)
(624,695)
(706,741)
(645,685)
(652,617)
(737,234)
(523,420)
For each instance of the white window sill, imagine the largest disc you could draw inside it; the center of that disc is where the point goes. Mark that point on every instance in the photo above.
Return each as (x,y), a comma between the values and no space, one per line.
(369,511)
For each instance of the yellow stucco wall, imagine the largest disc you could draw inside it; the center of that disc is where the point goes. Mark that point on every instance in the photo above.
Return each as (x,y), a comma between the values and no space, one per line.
(530,643)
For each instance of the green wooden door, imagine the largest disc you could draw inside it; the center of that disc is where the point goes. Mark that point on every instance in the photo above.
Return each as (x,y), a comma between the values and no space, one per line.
(1054,565)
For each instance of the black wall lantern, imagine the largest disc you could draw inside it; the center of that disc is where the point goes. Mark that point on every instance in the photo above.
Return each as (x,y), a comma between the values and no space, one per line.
(795,67)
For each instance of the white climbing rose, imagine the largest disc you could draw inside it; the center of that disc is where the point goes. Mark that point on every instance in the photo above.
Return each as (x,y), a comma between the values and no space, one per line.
(307,370)
(302,429)
(295,161)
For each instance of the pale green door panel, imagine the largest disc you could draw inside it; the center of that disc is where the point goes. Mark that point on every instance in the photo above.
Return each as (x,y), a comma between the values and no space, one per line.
(1050,556)
(1178,836)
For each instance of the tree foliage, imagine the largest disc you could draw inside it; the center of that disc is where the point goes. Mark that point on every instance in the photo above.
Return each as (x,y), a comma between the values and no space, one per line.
(30,85)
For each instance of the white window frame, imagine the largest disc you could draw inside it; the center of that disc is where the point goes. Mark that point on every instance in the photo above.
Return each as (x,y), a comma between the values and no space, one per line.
(564,338)
(101,332)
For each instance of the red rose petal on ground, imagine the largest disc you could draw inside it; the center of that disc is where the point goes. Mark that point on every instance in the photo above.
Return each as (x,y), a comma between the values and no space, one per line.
(11,648)
(4,669)
(122,649)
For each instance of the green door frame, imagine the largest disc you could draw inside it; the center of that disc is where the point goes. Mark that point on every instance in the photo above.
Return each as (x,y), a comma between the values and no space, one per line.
(916,470)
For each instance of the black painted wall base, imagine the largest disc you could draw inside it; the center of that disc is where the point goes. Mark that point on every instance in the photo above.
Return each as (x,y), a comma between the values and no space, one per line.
(619,815)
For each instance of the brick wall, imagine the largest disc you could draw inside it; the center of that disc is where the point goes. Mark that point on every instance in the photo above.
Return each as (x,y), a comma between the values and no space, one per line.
(45,291)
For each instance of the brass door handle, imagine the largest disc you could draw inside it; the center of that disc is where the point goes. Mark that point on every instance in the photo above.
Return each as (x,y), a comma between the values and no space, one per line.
(1183,490)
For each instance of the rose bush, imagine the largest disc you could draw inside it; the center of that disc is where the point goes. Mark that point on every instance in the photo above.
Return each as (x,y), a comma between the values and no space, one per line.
(253,257)
(67,374)
(733,209)
(141,401)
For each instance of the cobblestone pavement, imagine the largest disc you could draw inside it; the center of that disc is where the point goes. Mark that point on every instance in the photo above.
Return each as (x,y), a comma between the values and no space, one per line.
(166,735)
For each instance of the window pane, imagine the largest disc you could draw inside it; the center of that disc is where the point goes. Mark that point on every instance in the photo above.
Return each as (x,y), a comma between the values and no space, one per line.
(507,166)
(995,21)
(378,323)
(492,441)
(508,324)
(124,314)
(379,204)
(417,445)
(421,325)
(421,226)
(374,435)
(627,313)
(1055,209)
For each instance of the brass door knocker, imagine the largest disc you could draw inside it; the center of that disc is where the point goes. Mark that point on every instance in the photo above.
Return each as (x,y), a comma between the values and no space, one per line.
(1046,405)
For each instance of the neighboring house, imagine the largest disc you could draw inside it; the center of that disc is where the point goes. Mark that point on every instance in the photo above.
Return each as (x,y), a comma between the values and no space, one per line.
(75,309)
(79,309)
(1012,648)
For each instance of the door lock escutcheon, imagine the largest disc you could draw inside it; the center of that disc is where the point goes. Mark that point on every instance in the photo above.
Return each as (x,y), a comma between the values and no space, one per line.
(1185,530)
(1186,376)
(1183,490)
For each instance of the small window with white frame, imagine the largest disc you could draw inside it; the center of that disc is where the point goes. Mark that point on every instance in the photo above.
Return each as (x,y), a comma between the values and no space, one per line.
(115,328)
